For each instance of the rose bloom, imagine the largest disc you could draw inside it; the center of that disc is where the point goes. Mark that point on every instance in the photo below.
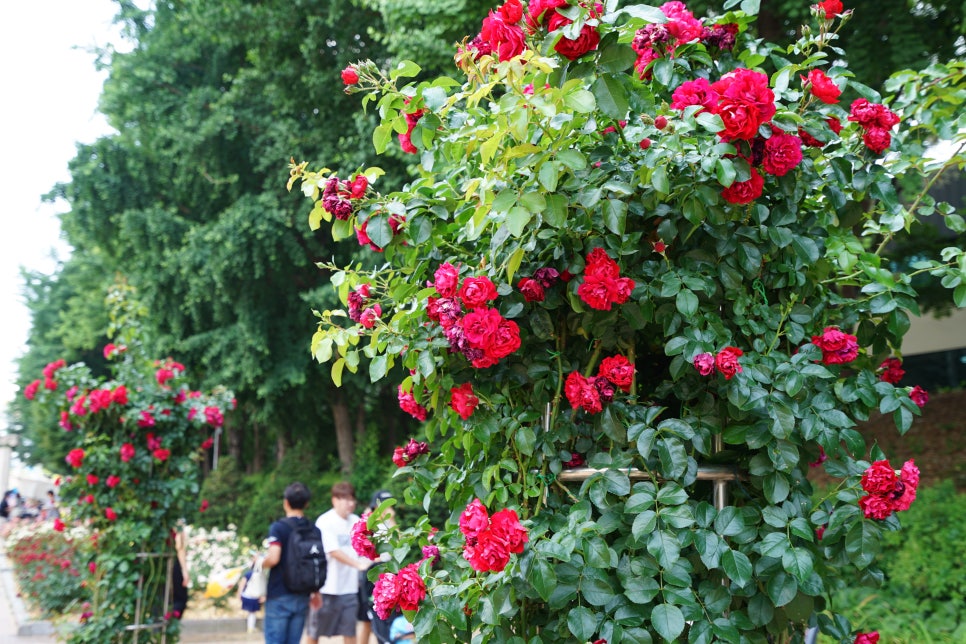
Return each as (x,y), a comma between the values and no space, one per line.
(511,11)
(877,139)
(727,361)
(93,479)
(822,87)
(463,401)
(350,76)
(161,454)
(65,421)
(119,395)
(409,405)
(618,370)
(59,525)
(744,192)
(110,514)
(783,152)
(532,290)
(399,457)
(477,291)
(695,92)
(146,419)
(75,457)
(505,524)
(704,363)
(430,552)
(370,315)
(506,40)
(385,595)
(892,371)
(831,8)
(879,478)
(361,541)
(908,484)
(599,264)
(357,189)
(479,325)
(837,346)
(127,452)
(30,391)
(875,507)
(576,460)
(867,638)
(414,448)
(919,396)
(112,481)
(581,393)
(596,292)
(572,49)
(474,520)
(490,554)
(410,587)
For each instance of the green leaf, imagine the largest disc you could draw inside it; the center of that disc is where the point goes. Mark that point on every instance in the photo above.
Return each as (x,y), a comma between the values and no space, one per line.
(378,367)
(513,264)
(665,547)
(782,589)
(611,97)
(404,69)
(616,58)
(659,180)
(686,302)
(581,101)
(729,522)
(573,159)
(798,562)
(543,577)
(547,175)
(517,220)
(615,213)
(668,621)
(337,368)
(582,622)
(737,565)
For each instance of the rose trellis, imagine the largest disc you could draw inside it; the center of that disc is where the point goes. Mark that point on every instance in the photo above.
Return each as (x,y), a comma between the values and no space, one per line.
(640,256)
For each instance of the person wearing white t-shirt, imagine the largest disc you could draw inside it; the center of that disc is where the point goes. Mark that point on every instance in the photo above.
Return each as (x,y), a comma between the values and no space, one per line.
(340,593)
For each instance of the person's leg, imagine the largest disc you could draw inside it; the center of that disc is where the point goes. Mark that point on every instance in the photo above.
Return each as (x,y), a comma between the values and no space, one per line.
(250,621)
(276,621)
(296,623)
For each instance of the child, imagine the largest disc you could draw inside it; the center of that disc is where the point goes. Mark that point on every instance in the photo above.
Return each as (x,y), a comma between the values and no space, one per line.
(251,601)
(401,631)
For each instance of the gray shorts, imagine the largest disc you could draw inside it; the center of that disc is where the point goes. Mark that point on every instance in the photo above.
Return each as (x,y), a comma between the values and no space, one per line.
(336,617)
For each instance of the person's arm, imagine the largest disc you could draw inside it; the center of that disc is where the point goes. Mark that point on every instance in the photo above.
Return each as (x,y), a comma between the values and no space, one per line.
(349,560)
(181,550)
(273,557)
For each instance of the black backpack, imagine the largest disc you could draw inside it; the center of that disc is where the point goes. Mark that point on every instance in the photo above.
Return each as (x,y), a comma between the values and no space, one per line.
(305,565)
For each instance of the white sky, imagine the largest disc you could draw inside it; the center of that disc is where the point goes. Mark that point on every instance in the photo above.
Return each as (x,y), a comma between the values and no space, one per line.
(49,103)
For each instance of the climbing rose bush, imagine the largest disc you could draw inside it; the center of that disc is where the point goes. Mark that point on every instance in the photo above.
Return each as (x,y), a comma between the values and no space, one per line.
(637,242)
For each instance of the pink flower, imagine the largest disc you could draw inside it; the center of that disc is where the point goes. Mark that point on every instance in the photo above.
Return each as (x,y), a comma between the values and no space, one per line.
(385,595)
(446,280)
(865,638)
(474,520)
(112,481)
(430,552)
(65,421)
(919,396)
(463,401)
(127,452)
(110,514)
(30,391)
(370,315)
(695,92)
(704,363)
(409,405)
(119,395)
(214,417)
(146,419)
(411,587)
(350,76)
(837,346)
(93,479)
(727,361)
(59,525)
(361,538)
(161,454)
(477,291)
(54,367)
(163,375)
(892,371)
(888,492)
(404,455)
(75,457)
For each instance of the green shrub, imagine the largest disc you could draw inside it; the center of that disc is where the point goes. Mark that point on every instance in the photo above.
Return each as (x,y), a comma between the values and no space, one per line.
(228,493)
(922,596)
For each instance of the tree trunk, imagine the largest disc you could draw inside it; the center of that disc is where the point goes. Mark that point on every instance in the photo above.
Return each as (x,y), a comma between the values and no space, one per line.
(279,449)
(234,440)
(258,458)
(343,431)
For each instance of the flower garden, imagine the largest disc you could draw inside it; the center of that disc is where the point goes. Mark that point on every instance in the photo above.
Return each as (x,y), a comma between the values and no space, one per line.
(634,291)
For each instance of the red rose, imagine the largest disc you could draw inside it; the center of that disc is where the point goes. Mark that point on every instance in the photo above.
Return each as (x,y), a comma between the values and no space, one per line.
(112,481)
(93,479)
(581,393)
(506,40)
(399,457)
(511,12)
(837,347)
(892,371)
(576,460)
(477,291)
(489,554)
(446,280)
(357,189)
(480,325)
(463,400)
(532,290)
(161,454)
(208,443)
(65,421)
(506,526)
(908,484)
(808,139)
(866,638)
(875,507)
(879,478)
(410,587)
(741,119)
(877,139)
(474,520)
(596,292)
(783,152)
(119,395)
(572,49)
(350,76)
(822,87)
(618,370)
(204,505)
(727,361)
(747,87)
(919,396)
(110,514)
(385,595)
(831,8)
(414,448)
(127,452)
(744,192)
(819,532)
(695,92)
(59,525)
(405,142)
(369,316)
(75,457)
(540,11)
(361,539)
(409,405)
(834,124)
(644,143)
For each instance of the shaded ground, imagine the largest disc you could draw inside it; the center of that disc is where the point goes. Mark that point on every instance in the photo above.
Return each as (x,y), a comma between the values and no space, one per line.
(936,441)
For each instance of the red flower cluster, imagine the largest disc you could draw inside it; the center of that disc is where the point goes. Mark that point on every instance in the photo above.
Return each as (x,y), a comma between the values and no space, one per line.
(656,41)
(463,400)
(822,87)
(502,34)
(603,286)
(112,350)
(892,371)
(405,138)
(168,370)
(867,638)
(830,8)
(358,311)
(576,460)
(110,514)
(833,123)
(887,492)
(362,538)
(837,346)
(402,456)
(409,405)
(590,393)
(30,391)
(490,540)
(726,362)
(482,335)
(112,481)
(534,288)
(127,452)
(876,120)
(75,457)
(403,590)
(214,417)
(570,48)
(338,193)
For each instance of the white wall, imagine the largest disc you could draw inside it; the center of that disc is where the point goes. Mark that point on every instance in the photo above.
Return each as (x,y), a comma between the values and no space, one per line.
(929,334)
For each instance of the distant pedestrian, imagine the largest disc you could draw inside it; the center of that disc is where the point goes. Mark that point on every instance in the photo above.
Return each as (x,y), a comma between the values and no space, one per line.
(285,611)
(251,591)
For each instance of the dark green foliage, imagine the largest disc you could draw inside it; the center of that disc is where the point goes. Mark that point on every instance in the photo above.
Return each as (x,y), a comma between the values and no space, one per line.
(924,593)
(228,494)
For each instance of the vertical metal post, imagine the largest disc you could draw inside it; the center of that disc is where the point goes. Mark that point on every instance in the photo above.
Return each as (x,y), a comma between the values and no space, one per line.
(720,485)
